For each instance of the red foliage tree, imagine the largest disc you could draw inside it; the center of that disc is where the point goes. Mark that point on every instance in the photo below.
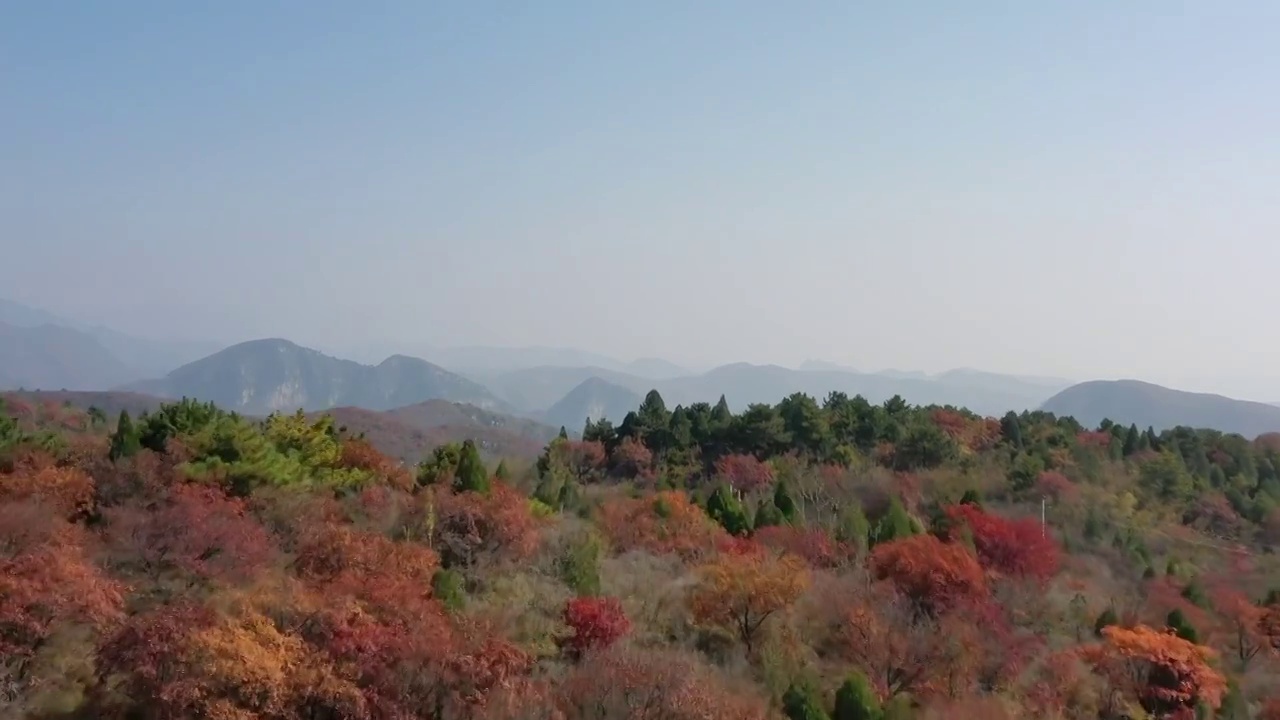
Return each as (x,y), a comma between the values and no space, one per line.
(468,526)
(652,685)
(1094,439)
(196,532)
(586,459)
(389,579)
(814,545)
(1056,486)
(744,473)
(68,490)
(665,522)
(47,583)
(360,454)
(597,623)
(934,575)
(1015,548)
(631,459)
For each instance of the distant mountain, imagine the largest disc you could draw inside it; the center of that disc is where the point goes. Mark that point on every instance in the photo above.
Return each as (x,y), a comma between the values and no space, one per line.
(593,399)
(262,376)
(534,390)
(744,383)
(823,365)
(488,361)
(52,357)
(1132,402)
(145,357)
(654,368)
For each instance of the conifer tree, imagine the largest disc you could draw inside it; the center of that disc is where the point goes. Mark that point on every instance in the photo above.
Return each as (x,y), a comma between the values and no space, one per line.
(725,509)
(782,500)
(801,702)
(471,476)
(125,441)
(855,700)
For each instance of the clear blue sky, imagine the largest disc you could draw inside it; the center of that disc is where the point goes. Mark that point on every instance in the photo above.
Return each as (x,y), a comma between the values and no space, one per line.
(1078,188)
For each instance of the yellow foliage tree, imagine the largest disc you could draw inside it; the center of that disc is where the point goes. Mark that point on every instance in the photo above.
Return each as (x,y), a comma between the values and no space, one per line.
(738,592)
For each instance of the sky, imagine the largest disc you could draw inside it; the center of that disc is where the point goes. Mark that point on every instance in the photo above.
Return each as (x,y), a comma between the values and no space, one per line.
(1079,188)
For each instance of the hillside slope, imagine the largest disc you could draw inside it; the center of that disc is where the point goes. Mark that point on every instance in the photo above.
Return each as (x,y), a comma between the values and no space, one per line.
(410,433)
(1145,404)
(263,376)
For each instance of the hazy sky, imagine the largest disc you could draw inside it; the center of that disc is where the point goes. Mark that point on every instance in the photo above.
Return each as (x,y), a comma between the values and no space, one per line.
(1089,189)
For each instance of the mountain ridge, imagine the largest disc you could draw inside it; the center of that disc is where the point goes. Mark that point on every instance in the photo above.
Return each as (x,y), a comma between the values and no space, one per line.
(1137,402)
(274,374)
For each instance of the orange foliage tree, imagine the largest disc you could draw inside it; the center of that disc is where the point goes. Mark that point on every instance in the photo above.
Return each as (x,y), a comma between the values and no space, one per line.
(47,583)
(932,574)
(666,522)
(1162,672)
(739,592)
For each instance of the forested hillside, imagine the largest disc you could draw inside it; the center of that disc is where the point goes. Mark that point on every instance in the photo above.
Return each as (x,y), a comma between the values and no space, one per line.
(809,560)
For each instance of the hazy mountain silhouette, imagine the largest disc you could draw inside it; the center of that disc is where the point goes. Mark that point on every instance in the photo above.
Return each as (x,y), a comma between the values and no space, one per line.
(594,398)
(1133,402)
(262,376)
(144,357)
(52,357)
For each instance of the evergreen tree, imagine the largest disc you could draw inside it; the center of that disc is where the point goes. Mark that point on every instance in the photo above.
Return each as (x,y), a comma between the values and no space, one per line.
(471,476)
(782,500)
(721,414)
(1011,429)
(502,473)
(724,508)
(801,702)
(895,525)
(767,515)
(1131,441)
(1181,626)
(853,527)
(579,564)
(1106,619)
(124,442)
(855,700)
(449,587)
(564,434)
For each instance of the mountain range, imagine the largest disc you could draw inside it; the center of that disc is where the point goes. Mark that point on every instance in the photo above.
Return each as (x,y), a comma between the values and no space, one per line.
(264,376)
(1133,402)
(40,350)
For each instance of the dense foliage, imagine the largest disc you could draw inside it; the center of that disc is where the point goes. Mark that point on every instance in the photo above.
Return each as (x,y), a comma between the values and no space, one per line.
(831,559)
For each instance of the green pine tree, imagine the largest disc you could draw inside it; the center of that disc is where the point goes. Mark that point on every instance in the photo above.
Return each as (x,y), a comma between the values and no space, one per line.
(502,473)
(125,441)
(449,587)
(767,515)
(472,475)
(801,702)
(853,528)
(724,508)
(782,500)
(895,525)
(855,700)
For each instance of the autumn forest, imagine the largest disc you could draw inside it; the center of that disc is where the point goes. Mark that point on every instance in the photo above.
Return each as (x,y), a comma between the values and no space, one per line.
(817,559)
